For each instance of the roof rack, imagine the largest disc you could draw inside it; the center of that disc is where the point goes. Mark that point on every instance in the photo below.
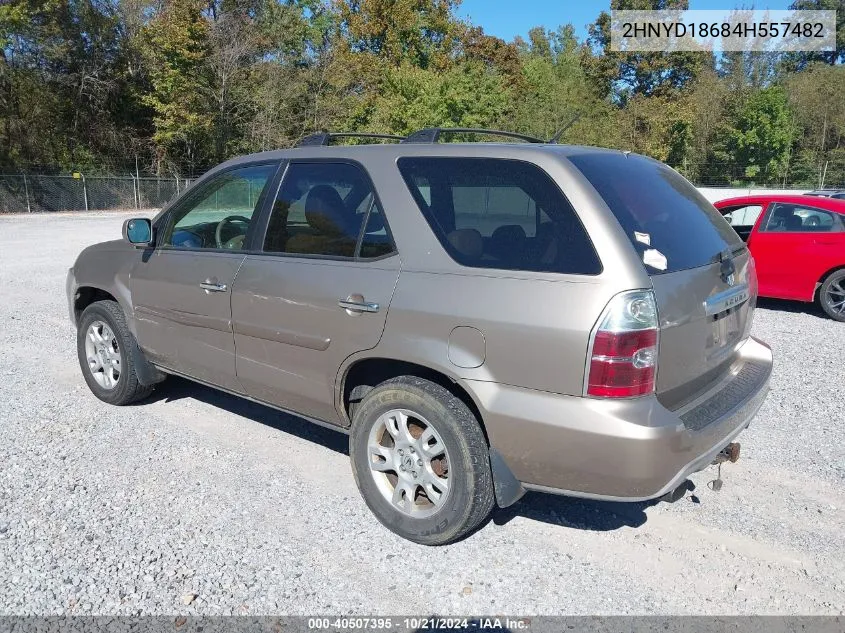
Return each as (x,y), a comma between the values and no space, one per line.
(432,134)
(325,138)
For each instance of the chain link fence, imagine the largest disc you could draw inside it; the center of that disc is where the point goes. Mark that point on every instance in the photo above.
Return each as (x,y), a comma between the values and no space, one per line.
(829,174)
(25,193)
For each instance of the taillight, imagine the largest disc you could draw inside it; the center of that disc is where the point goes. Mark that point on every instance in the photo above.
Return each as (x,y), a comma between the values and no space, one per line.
(623,362)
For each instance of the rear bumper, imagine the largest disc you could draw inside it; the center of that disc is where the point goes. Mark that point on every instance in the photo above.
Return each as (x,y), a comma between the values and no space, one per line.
(625,450)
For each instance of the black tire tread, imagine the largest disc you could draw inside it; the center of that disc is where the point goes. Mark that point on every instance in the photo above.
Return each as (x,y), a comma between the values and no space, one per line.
(131,390)
(482,496)
(836,275)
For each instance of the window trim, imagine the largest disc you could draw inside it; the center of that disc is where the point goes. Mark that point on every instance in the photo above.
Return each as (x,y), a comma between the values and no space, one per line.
(163,222)
(838,225)
(262,238)
(476,269)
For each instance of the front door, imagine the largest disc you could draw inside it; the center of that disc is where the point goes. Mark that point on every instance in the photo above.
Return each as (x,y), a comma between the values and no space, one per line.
(182,291)
(788,248)
(320,290)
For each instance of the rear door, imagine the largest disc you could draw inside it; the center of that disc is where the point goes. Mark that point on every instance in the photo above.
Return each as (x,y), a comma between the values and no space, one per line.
(701,272)
(318,292)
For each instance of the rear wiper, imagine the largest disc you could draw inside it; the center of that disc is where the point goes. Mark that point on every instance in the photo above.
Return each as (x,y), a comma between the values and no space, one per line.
(739,249)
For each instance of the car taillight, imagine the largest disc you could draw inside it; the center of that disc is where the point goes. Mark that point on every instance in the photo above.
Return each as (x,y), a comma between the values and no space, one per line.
(623,362)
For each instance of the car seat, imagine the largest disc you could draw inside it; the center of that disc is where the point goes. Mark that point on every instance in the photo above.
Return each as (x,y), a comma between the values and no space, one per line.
(331,227)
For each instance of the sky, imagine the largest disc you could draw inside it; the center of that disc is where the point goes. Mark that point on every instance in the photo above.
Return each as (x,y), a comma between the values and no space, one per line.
(508,18)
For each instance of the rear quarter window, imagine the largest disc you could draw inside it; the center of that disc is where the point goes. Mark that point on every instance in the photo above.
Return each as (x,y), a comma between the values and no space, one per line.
(658,209)
(498,213)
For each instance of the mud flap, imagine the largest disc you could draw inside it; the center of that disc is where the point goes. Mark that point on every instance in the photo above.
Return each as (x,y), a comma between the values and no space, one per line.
(147,373)
(508,488)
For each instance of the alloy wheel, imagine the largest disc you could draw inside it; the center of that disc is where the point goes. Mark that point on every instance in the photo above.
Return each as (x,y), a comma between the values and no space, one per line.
(409,462)
(103,354)
(836,297)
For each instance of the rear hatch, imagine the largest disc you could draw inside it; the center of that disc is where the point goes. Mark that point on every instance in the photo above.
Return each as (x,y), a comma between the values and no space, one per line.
(701,271)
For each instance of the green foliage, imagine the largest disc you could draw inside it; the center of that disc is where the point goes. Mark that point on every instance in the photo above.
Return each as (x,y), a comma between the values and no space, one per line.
(175,46)
(624,74)
(761,137)
(819,111)
(181,85)
(466,95)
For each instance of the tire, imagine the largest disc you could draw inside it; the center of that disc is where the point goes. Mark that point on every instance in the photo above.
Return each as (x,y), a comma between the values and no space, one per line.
(121,386)
(464,464)
(832,295)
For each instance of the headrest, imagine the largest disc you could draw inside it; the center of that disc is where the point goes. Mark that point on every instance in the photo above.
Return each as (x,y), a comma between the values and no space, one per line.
(325,211)
(793,223)
(509,234)
(508,241)
(467,242)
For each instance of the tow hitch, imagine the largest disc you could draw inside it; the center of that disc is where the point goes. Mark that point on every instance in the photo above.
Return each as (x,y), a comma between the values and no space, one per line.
(728,454)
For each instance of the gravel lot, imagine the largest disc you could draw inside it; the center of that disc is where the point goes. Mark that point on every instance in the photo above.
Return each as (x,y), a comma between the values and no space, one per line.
(198,502)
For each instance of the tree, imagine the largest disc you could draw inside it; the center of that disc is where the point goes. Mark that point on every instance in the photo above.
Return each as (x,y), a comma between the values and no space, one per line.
(466,95)
(556,92)
(761,137)
(819,110)
(420,32)
(709,101)
(622,74)
(799,61)
(176,52)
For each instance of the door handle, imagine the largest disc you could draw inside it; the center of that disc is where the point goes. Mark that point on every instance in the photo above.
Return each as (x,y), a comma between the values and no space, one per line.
(211,286)
(358,306)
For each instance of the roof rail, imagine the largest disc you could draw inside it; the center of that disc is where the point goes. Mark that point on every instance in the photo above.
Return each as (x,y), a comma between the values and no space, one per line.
(432,134)
(325,138)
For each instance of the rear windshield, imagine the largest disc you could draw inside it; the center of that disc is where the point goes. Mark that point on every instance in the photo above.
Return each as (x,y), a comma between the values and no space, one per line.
(498,213)
(670,223)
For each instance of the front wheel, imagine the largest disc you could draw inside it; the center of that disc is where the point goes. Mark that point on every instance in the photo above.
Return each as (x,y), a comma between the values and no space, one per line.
(832,295)
(106,354)
(421,461)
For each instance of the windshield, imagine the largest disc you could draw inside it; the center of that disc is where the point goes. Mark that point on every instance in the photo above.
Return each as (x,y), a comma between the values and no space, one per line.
(670,223)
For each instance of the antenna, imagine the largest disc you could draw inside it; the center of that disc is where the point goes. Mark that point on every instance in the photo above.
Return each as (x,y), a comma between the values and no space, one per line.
(560,132)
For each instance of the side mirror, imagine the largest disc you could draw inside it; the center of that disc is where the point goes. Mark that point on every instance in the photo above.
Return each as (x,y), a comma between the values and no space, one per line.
(138,231)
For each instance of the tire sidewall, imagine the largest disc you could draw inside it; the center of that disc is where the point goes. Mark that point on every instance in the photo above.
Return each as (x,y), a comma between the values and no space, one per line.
(838,276)
(92,313)
(448,520)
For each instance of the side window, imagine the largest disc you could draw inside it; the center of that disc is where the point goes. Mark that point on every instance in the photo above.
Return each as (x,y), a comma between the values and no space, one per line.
(327,209)
(219,213)
(486,208)
(497,213)
(797,218)
(743,216)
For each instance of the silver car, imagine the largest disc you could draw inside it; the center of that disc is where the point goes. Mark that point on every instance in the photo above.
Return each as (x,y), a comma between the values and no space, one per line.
(482,319)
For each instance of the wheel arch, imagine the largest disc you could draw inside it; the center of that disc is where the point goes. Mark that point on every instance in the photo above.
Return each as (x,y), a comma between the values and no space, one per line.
(364,374)
(823,278)
(85,296)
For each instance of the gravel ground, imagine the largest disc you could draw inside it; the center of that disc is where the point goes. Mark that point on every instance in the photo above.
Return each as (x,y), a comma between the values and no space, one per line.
(198,502)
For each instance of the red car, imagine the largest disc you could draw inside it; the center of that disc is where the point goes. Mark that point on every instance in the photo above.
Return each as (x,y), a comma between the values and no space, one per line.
(798,244)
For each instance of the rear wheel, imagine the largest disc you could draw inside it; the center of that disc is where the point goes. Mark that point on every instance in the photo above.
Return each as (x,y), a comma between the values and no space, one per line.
(104,347)
(832,295)
(421,461)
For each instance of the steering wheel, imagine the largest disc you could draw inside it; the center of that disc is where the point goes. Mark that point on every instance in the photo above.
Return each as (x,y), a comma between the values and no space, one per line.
(231,243)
